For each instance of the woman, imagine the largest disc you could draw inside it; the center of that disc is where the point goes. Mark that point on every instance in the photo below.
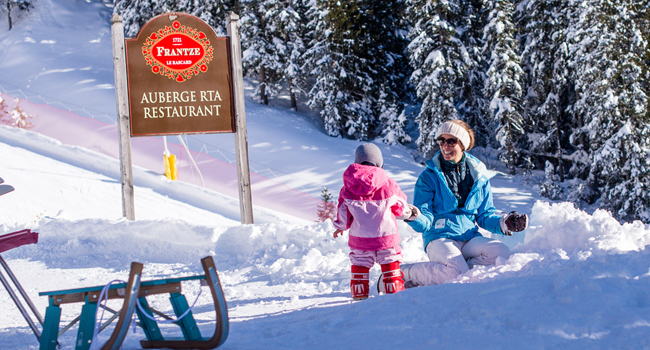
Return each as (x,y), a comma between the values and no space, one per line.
(452,199)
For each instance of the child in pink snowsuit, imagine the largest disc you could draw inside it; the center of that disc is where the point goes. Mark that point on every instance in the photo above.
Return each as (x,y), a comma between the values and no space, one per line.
(369,205)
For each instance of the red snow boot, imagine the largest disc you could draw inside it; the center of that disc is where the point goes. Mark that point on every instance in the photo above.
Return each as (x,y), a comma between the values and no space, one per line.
(392,277)
(360,282)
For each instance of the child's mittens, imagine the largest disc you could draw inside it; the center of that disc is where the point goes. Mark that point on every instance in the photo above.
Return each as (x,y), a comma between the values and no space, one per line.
(406,213)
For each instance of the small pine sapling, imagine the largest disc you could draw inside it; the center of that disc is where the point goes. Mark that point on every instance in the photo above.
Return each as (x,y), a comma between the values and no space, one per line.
(326,209)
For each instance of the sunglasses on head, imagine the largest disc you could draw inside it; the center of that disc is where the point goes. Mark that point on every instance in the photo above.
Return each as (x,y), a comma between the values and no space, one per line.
(449,142)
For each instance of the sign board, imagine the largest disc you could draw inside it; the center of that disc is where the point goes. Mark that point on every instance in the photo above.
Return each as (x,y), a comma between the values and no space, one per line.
(179,78)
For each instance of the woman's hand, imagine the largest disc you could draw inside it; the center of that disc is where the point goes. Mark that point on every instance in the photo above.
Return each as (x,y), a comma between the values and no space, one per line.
(337,233)
(415,212)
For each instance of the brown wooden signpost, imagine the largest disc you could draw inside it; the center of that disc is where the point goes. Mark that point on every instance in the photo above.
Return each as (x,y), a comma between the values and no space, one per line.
(177,77)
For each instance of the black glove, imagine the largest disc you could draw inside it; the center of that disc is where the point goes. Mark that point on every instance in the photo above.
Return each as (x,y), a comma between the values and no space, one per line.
(513,222)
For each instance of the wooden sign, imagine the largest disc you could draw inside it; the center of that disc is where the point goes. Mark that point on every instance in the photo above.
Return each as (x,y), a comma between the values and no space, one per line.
(179,78)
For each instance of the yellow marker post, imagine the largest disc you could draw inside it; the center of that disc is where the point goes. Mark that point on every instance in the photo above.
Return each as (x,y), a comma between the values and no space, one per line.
(169,161)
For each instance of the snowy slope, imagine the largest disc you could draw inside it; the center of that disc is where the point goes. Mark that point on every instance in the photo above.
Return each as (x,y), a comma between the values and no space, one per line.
(574,280)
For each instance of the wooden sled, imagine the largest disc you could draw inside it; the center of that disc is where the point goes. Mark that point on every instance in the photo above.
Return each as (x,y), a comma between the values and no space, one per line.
(90,297)
(132,291)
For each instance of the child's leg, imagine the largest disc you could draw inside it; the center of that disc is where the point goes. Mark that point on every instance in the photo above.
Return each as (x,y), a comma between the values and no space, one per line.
(392,277)
(361,261)
(360,282)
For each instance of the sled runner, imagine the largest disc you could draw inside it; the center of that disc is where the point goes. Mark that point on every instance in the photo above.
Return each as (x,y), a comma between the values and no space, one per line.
(135,292)
(192,338)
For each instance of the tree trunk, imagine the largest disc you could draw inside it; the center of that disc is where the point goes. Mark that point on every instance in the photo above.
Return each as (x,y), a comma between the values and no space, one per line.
(9,13)
(263,97)
(559,149)
(294,105)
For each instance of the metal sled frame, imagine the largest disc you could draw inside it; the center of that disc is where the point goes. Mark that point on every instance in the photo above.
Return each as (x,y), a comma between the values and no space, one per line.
(7,242)
(17,301)
(131,291)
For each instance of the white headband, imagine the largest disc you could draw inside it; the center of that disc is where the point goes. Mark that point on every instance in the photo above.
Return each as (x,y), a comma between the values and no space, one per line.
(456,130)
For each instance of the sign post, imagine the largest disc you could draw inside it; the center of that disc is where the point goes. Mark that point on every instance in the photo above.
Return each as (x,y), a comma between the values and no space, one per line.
(241,135)
(124,128)
(183,79)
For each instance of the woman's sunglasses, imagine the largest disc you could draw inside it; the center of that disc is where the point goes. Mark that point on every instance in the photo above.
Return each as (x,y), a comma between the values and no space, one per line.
(449,142)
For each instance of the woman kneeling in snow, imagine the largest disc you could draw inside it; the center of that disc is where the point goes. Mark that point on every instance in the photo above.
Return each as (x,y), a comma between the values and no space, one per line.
(453,198)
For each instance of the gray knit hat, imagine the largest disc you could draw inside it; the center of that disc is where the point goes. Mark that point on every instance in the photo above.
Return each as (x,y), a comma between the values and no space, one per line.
(369,152)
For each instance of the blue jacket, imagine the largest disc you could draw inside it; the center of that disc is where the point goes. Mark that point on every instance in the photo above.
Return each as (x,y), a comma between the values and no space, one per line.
(440,216)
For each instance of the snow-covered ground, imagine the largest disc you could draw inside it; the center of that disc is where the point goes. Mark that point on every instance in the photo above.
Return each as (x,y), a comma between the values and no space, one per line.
(574,281)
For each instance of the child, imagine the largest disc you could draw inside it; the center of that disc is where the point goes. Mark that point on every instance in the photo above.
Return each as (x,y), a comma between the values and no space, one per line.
(369,204)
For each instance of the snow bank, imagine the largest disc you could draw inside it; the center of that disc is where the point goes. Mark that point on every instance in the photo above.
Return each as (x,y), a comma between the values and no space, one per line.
(562,226)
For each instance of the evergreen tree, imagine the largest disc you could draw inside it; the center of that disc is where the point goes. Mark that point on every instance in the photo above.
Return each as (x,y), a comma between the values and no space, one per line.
(549,93)
(135,13)
(503,86)
(326,209)
(321,63)
(260,55)
(393,71)
(293,23)
(436,54)
(471,106)
(273,47)
(609,56)
(354,56)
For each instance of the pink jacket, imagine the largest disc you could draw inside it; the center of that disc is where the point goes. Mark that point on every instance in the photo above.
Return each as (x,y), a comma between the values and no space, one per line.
(369,203)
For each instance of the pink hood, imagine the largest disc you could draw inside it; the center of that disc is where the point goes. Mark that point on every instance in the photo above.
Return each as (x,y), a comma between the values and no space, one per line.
(366,182)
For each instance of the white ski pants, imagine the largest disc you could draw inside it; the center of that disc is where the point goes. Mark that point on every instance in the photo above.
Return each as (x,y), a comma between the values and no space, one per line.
(449,258)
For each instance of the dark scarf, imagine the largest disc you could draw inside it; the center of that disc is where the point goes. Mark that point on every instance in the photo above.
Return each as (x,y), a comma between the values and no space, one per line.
(459,179)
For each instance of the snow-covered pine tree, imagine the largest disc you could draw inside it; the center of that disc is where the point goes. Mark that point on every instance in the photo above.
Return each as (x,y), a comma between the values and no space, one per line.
(436,55)
(321,63)
(261,45)
(292,23)
(471,106)
(392,70)
(393,125)
(353,59)
(542,26)
(622,168)
(273,47)
(327,208)
(136,13)
(609,58)
(503,84)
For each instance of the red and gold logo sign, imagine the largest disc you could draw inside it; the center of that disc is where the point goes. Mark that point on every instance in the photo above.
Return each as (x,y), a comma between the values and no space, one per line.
(177,52)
